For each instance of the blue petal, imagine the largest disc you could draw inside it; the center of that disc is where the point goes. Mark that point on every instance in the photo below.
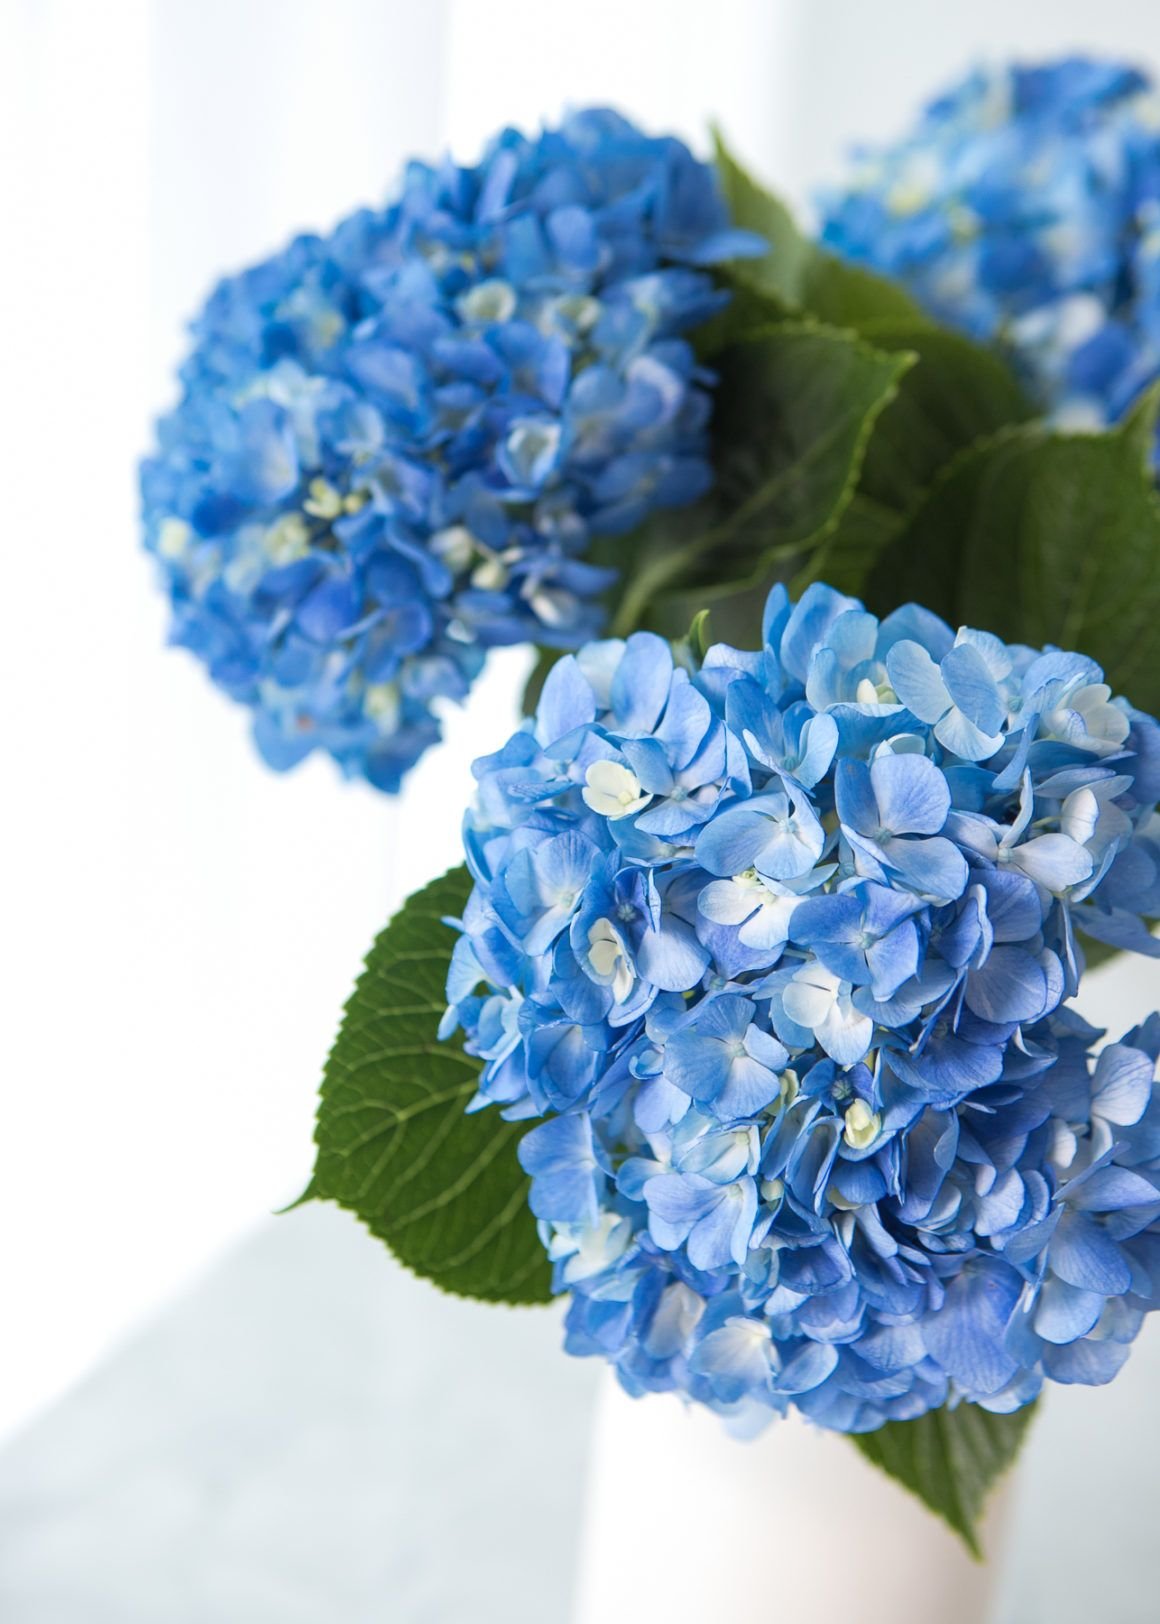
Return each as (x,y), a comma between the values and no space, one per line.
(1063,1312)
(932,868)
(1009,986)
(567,702)
(1081,1254)
(809,622)
(917,681)
(640,688)
(972,688)
(966,1335)
(854,796)
(1089,1361)
(559,1157)
(672,958)
(912,795)
(1122,1085)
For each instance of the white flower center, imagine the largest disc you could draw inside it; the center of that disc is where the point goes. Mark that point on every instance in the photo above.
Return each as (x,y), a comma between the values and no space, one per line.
(612,790)
(862,1125)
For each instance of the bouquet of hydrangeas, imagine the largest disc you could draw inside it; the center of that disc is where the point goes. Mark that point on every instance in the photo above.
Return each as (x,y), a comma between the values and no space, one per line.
(748,1024)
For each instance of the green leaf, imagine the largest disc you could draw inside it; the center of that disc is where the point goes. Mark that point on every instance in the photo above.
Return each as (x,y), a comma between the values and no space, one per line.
(848,554)
(779,274)
(950,1459)
(1139,425)
(852,296)
(956,395)
(443,1190)
(699,637)
(797,274)
(1042,538)
(795,410)
(534,687)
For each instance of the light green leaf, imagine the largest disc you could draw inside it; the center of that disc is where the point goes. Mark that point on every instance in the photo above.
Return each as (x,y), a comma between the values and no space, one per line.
(700,635)
(443,1190)
(1042,538)
(950,1459)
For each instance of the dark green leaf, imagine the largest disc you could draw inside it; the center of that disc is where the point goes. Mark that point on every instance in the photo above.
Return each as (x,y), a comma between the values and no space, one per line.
(848,554)
(1042,538)
(1139,425)
(443,1190)
(950,1459)
(795,409)
(957,394)
(534,687)
(851,296)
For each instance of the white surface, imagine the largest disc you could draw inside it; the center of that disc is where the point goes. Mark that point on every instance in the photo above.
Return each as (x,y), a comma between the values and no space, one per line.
(683,1523)
(182,926)
(795,1520)
(311,1436)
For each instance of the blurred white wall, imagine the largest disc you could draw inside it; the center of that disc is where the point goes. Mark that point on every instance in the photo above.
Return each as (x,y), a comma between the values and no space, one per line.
(181,926)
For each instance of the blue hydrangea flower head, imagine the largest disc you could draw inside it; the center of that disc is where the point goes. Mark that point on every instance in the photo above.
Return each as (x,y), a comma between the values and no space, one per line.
(1024,208)
(776,956)
(395,443)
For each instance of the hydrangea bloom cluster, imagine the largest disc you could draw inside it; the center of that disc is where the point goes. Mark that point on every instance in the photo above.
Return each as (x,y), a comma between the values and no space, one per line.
(394,443)
(781,950)
(1024,207)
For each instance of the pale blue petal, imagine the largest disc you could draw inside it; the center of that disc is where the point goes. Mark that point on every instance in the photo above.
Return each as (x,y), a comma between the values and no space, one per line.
(917,681)
(912,795)
(640,687)
(1122,1085)
(1009,986)
(958,734)
(567,702)
(1083,1255)
(1053,861)
(672,958)
(972,688)
(932,868)
(1064,1312)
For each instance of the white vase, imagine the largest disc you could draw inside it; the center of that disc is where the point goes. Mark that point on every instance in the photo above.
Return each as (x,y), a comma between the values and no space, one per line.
(685,1523)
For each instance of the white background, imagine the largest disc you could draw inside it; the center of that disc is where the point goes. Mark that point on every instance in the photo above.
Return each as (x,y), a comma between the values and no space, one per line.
(180,926)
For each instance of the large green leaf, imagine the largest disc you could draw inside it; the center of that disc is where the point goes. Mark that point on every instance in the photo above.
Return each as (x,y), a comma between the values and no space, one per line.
(779,274)
(1043,538)
(443,1190)
(796,406)
(851,549)
(950,1459)
(797,274)
(957,394)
